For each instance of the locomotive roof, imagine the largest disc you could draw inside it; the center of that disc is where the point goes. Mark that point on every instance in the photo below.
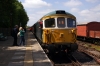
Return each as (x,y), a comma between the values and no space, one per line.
(58,12)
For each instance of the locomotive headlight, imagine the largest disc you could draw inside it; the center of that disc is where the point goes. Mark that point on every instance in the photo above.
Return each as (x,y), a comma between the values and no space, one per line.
(73,30)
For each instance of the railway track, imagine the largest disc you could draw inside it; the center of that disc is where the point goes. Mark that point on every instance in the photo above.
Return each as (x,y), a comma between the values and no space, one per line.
(69,60)
(92,52)
(78,58)
(75,59)
(89,50)
(85,59)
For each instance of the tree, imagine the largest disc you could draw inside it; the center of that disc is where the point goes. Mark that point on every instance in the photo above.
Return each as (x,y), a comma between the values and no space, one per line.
(12,12)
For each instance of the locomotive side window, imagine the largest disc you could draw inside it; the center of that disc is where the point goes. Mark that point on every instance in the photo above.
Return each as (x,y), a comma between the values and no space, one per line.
(71,22)
(50,22)
(61,22)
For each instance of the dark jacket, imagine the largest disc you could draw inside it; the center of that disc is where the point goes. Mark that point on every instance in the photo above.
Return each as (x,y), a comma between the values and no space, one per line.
(14,32)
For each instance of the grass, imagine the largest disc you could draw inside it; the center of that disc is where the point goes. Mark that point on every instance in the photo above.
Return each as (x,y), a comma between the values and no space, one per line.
(93,46)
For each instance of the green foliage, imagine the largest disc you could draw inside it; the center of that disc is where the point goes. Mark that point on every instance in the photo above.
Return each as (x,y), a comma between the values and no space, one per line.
(12,12)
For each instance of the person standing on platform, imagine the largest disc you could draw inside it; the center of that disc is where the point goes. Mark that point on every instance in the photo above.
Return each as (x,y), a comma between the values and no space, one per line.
(14,35)
(22,33)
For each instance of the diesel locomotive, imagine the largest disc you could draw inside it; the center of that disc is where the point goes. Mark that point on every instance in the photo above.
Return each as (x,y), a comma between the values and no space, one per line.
(56,31)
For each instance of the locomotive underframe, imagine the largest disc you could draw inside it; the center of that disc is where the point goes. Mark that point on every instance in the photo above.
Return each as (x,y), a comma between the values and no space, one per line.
(56,48)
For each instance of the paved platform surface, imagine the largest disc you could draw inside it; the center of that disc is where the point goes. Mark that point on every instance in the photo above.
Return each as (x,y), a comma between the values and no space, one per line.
(30,55)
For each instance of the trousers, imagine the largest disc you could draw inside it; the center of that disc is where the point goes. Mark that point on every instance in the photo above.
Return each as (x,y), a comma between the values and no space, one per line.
(22,40)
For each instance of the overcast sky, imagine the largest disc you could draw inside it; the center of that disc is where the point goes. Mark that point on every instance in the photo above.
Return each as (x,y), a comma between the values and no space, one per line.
(84,10)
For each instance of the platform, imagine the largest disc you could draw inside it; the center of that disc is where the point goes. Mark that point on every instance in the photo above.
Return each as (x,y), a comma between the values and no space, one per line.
(29,55)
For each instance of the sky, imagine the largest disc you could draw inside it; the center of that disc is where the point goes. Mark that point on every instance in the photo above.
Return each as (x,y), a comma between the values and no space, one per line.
(84,10)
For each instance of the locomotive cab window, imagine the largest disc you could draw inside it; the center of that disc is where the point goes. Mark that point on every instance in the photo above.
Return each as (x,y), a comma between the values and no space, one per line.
(61,22)
(71,22)
(50,22)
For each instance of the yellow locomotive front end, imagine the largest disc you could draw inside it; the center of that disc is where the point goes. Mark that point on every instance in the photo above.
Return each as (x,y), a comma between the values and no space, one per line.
(59,32)
(59,36)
